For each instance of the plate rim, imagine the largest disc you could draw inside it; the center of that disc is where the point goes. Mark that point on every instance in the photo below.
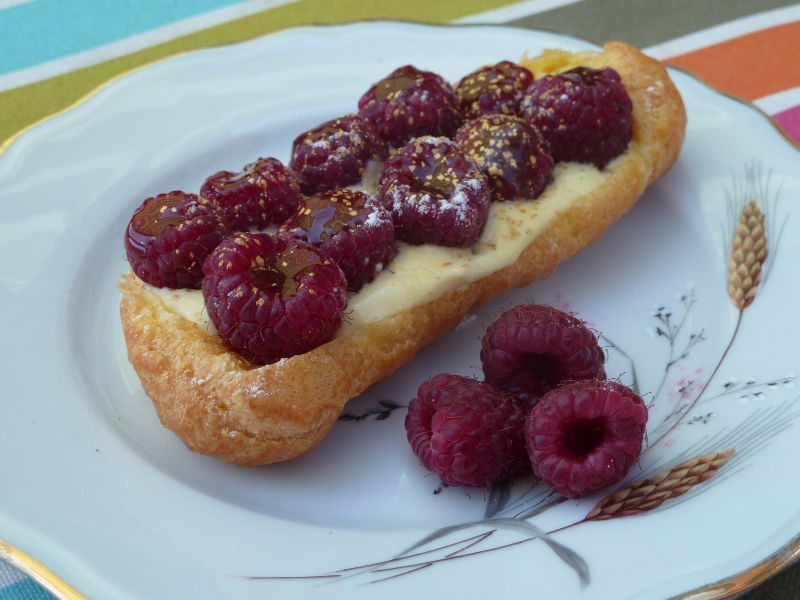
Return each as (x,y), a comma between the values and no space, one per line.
(723,588)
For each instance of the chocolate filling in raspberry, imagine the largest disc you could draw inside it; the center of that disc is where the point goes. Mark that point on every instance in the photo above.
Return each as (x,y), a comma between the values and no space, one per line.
(582,436)
(263,193)
(544,369)
(233,179)
(285,274)
(325,216)
(335,154)
(154,218)
(511,152)
(390,88)
(268,278)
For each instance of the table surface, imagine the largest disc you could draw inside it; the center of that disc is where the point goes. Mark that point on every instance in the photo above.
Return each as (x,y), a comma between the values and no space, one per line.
(54,52)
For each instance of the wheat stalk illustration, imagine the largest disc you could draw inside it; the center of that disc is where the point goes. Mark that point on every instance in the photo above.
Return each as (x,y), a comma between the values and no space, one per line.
(653,492)
(748,253)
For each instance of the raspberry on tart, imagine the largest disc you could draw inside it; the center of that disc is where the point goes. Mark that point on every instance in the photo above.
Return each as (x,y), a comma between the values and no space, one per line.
(511,152)
(435,193)
(272,297)
(354,231)
(264,193)
(533,349)
(335,154)
(410,103)
(494,89)
(468,432)
(585,436)
(585,114)
(169,237)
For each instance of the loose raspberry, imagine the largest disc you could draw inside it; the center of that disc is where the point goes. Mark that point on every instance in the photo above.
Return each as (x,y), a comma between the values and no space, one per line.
(271,297)
(494,89)
(466,431)
(354,231)
(410,103)
(511,152)
(264,193)
(585,436)
(532,349)
(436,194)
(585,114)
(335,154)
(169,236)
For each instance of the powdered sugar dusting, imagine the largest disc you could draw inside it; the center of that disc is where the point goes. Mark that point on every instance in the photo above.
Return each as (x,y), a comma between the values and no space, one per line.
(432,139)
(458,202)
(375,218)
(474,183)
(321,145)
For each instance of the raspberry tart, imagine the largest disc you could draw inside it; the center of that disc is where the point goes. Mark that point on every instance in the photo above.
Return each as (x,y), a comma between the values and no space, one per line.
(224,404)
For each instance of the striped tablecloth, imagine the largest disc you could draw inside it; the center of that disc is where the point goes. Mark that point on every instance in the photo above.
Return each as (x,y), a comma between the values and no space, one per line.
(54,52)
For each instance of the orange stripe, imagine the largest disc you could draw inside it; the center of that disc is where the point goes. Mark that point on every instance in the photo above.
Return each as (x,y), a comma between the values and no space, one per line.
(750,66)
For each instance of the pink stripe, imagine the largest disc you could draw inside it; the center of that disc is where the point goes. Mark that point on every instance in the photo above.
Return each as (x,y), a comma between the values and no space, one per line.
(789,121)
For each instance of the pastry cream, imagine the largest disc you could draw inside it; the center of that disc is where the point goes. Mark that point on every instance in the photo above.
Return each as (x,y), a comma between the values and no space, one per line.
(419,274)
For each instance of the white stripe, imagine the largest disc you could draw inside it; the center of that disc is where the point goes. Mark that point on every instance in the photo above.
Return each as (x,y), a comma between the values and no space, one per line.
(517,10)
(779,102)
(10,3)
(725,31)
(135,42)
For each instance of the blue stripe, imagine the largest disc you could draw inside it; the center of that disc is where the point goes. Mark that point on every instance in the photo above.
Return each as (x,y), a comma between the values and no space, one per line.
(44,30)
(25,589)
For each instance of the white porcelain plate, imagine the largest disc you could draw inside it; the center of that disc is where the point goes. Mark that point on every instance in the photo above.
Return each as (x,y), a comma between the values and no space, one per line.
(96,489)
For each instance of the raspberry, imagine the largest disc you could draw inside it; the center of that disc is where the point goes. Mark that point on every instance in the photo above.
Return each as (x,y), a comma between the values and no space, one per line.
(511,152)
(585,436)
(495,89)
(355,232)
(532,349)
(169,236)
(585,114)
(334,154)
(272,297)
(436,194)
(466,431)
(410,103)
(264,193)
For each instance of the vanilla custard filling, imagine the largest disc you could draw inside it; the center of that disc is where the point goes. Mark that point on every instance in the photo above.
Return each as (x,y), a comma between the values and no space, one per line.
(420,274)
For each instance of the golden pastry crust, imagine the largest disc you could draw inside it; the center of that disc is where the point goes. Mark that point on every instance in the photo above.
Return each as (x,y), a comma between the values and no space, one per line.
(222,406)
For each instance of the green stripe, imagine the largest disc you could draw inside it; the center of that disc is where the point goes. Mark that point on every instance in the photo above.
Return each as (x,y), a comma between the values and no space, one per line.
(643,23)
(22,106)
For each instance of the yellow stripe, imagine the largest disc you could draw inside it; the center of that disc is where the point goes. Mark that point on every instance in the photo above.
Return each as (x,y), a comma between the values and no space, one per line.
(44,576)
(30,104)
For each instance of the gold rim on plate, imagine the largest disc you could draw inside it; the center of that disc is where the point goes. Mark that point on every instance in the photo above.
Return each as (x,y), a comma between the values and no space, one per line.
(724,588)
(39,572)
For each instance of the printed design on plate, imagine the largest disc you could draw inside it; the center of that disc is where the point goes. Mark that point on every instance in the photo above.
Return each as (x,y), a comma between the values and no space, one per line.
(378,413)
(752,236)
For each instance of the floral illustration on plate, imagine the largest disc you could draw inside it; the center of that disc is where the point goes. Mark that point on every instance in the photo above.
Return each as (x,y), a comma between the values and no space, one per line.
(752,236)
